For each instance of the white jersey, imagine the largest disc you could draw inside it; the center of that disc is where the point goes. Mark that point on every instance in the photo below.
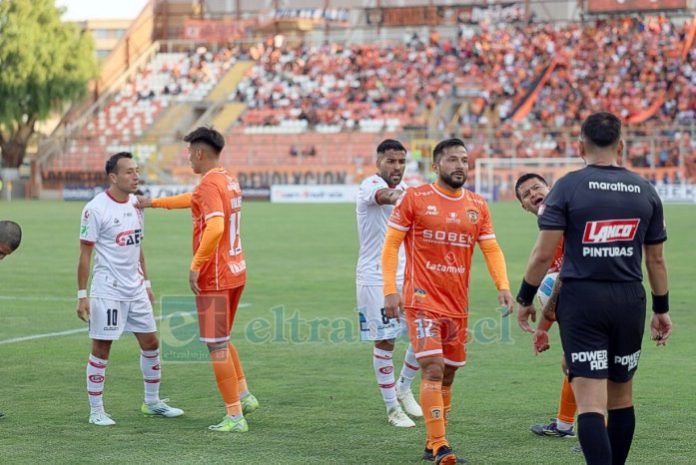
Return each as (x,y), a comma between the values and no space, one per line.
(372,228)
(116,230)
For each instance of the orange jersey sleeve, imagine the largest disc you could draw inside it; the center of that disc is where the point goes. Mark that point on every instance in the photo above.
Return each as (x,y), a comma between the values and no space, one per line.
(557,259)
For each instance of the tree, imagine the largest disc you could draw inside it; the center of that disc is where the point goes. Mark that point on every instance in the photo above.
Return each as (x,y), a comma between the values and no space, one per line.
(44,64)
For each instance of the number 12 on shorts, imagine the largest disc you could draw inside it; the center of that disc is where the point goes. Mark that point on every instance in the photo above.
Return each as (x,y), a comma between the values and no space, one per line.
(424,328)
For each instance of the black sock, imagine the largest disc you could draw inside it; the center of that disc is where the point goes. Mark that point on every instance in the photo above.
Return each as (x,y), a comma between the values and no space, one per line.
(621,424)
(594,438)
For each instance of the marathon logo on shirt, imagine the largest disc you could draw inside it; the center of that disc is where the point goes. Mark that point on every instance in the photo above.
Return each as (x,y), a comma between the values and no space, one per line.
(604,231)
(614,187)
(631,361)
(130,237)
(597,359)
(450,238)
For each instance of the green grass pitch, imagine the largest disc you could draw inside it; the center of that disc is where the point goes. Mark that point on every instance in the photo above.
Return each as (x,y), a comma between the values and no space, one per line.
(319,402)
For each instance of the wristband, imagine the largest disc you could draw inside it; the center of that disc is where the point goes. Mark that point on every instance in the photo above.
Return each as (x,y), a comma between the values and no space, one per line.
(148,284)
(660,303)
(526,294)
(82,294)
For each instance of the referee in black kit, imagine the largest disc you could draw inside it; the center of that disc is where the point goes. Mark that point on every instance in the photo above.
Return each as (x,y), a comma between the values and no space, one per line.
(609,217)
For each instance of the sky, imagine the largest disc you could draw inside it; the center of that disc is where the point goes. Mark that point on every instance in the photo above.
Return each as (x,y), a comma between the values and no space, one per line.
(103,9)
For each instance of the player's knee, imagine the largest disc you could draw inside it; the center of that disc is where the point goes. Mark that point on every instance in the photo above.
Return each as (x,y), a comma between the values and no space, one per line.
(448,375)
(387,344)
(433,371)
(216,348)
(101,348)
(619,395)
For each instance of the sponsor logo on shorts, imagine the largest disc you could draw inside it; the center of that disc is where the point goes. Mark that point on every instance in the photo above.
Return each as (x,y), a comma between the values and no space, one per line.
(614,187)
(96,378)
(598,359)
(601,232)
(630,361)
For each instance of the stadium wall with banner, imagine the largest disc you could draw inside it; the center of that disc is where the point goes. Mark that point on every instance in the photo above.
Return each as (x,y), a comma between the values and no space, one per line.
(314,194)
(677,193)
(614,6)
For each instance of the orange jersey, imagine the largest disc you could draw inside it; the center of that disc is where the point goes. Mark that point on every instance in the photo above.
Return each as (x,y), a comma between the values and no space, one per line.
(218,194)
(557,259)
(441,234)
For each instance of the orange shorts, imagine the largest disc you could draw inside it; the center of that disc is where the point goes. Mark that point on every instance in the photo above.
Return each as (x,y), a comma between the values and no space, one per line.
(216,311)
(434,335)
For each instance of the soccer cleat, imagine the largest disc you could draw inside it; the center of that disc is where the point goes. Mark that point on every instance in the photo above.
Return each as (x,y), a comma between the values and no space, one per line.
(161,409)
(249,404)
(446,456)
(398,418)
(552,430)
(101,419)
(430,457)
(2,414)
(408,402)
(228,425)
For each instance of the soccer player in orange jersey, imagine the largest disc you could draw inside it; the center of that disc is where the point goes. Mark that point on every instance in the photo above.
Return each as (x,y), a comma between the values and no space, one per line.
(531,190)
(440,224)
(218,269)
(10,238)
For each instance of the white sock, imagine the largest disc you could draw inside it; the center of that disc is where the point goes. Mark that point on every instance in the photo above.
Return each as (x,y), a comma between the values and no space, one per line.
(408,371)
(384,371)
(150,367)
(562,425)
(96,374)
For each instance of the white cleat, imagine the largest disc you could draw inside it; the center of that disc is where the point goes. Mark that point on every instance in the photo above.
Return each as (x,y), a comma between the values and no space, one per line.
(161,409)
(408,402)
(101,419)
(398,418)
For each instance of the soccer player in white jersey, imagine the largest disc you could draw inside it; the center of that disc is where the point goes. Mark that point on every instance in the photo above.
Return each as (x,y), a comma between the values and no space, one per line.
(120,297)
(376,198)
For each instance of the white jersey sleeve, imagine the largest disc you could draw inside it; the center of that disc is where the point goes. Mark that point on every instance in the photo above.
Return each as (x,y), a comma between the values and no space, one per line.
(89,226)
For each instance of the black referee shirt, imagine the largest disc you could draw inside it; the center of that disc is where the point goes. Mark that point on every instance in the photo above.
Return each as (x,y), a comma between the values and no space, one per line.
(607,213)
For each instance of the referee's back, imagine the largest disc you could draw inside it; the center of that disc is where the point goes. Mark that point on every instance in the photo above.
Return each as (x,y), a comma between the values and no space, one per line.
(607,214)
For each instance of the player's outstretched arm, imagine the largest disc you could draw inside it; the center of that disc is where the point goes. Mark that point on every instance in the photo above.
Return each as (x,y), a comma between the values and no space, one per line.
(661,323)
(549,310)
(390,262)
(539,261)
(83,266)
(170,203)
(388,196)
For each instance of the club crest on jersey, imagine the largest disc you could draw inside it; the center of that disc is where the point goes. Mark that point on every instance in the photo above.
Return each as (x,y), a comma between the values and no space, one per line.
(601,232)
(130,237)
(473,216)
(431,210)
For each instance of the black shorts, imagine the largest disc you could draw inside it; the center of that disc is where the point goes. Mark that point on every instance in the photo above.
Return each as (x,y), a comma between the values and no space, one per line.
(601,326)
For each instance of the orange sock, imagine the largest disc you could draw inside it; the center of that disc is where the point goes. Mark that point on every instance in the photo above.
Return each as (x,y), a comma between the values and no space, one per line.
(226,377)
(567,406)
(241,379)
(447,401)
(433,411)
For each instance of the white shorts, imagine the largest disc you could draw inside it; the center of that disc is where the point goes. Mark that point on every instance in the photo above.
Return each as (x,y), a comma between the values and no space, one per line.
(374,325)
(111,318)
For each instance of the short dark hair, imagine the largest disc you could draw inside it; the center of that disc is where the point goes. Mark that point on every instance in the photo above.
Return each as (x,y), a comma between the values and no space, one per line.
(10,234)
(390,144)
(601,129)
(207,136)
(524,178)
(112,162)
(444,145)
